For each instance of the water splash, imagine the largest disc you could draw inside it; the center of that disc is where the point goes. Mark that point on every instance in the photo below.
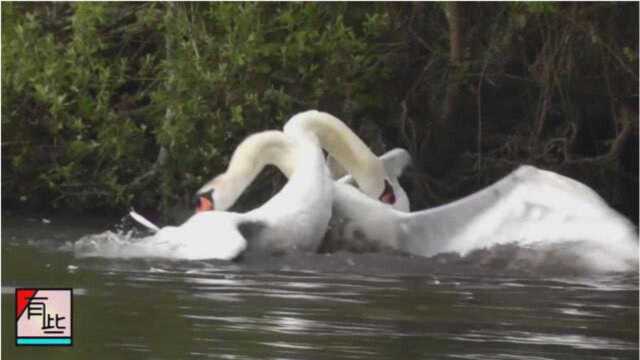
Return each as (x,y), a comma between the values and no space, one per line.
(120,244)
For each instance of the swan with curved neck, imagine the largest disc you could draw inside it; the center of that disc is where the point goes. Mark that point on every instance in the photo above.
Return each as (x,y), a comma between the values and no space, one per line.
(296,218)
(247,161)
(329,133)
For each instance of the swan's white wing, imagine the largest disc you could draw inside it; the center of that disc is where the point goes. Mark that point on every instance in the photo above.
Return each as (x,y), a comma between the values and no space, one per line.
(530,207)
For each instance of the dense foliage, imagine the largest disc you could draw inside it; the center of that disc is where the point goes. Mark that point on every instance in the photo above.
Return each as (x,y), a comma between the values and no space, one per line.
(105,105)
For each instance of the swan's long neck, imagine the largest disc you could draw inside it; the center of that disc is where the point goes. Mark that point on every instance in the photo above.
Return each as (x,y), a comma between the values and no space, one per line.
(344,145)
(251,156)
(259,150)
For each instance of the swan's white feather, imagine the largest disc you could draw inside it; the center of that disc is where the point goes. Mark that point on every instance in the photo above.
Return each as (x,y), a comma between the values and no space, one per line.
(143,221)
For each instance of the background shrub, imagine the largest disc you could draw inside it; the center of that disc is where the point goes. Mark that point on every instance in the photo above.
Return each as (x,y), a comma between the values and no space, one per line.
(108,105)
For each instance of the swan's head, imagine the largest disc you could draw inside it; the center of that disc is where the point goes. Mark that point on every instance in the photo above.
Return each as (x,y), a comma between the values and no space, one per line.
(217,194)
(373,181)
(382,191)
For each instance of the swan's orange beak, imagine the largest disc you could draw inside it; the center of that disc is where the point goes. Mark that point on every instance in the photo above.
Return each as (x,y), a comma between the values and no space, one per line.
(204,205)
(388,196)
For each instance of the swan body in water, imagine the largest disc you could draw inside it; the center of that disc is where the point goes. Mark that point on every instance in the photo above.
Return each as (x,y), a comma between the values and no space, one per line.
(295,218)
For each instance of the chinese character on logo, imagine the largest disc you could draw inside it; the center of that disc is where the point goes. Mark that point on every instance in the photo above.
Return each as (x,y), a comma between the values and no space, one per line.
(43,317)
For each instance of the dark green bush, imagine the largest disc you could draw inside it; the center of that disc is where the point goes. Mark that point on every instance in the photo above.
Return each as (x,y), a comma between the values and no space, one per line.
(106,105)
(92,92)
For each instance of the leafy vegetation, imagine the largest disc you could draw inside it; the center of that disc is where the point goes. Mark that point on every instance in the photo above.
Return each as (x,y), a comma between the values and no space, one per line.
(107,105)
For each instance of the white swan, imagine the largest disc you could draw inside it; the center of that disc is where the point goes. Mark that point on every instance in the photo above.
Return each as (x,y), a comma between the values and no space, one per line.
(530,206)
(295,218)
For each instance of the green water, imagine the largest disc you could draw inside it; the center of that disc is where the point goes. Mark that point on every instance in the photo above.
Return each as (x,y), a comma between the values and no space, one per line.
(311,306)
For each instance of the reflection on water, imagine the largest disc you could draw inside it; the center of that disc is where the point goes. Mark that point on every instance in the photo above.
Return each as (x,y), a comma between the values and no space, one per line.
(315,306)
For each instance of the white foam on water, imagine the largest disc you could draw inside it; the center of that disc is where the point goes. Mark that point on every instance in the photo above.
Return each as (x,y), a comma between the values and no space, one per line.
(206,235)
(111,244)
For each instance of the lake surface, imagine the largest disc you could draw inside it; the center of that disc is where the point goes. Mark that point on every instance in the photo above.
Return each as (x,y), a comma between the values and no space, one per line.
(314,306)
